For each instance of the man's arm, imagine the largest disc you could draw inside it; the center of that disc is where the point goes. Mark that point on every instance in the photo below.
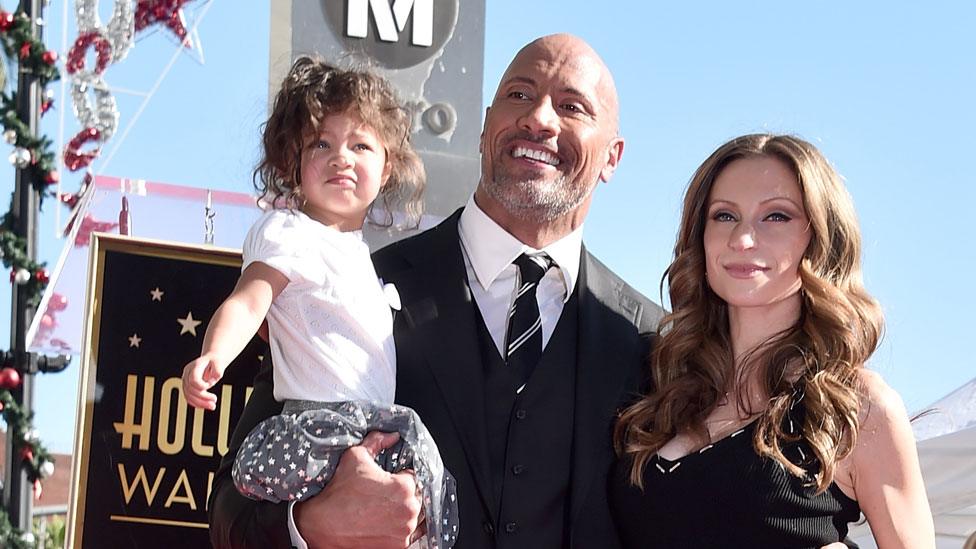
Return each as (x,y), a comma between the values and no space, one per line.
(236,521)
(362,506)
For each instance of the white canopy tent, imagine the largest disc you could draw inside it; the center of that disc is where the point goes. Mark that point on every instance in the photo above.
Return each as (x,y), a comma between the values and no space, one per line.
(946,434)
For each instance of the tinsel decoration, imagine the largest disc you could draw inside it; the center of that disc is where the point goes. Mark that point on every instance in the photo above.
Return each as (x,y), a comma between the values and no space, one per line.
(169,13)
(94,105)
(111,43)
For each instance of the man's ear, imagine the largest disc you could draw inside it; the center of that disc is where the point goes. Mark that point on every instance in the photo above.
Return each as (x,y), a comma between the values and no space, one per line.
(615,151)
(481,138)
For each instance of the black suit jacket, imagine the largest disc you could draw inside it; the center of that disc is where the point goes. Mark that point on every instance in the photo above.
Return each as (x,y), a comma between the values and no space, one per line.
(439,374)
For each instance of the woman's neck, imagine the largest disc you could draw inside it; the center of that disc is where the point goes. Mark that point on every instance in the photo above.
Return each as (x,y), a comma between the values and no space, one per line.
(751,327)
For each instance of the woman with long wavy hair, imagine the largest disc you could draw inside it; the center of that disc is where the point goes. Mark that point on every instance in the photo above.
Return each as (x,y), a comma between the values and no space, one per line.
(764,429)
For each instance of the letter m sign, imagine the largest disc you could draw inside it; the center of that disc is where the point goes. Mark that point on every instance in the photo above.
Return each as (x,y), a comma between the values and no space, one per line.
(391,19)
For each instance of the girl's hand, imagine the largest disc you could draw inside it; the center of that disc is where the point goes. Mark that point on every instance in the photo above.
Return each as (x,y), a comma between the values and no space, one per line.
(200,375)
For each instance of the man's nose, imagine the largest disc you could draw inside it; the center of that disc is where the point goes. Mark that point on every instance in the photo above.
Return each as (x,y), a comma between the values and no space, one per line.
(541,119)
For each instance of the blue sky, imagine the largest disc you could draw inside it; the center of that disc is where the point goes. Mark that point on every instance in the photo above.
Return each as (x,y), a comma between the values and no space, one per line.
(885,89)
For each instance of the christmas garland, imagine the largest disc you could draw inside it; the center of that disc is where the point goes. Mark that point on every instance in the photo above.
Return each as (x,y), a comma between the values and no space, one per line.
(34,456)
(33,154)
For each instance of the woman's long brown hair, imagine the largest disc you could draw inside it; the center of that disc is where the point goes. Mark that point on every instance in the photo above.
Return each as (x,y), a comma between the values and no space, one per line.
(839,327)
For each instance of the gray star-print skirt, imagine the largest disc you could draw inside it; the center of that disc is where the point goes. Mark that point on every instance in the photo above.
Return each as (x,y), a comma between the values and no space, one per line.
(291,456)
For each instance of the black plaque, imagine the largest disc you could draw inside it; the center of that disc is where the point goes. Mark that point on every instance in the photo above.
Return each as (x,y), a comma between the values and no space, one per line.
(146,458)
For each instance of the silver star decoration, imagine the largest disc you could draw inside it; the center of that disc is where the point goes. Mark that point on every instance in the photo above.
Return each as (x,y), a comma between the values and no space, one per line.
(157,294)
(134,340)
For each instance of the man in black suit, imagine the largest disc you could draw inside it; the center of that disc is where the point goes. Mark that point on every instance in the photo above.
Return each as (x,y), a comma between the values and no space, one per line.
(523,420)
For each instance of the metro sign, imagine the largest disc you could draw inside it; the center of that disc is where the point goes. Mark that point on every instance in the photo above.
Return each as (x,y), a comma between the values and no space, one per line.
(391,19)
(395,33)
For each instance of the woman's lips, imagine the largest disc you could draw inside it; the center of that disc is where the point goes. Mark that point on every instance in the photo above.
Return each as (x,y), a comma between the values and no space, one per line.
(744,270)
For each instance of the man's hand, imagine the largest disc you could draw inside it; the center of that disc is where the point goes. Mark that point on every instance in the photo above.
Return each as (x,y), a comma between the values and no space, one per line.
(363,505)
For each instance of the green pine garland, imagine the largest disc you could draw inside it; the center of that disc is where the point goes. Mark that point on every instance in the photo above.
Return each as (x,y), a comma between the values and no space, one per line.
(17,38)
(20,426)
(32,57)
(10,537)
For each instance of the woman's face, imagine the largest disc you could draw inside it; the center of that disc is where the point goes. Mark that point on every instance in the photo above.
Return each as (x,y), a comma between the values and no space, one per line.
(756,232)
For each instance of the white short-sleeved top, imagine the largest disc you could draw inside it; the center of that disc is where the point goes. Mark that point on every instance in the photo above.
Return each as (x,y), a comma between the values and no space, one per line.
(331,328)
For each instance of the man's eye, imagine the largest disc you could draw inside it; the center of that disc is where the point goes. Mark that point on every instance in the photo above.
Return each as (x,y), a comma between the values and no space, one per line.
(573,107)
(517,95)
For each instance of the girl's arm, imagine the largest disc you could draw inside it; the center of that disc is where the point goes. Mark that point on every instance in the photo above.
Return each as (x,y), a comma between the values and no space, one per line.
(231,328)
(885,472)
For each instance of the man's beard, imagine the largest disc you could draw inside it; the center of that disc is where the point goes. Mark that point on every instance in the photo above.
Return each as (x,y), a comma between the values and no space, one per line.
(539,200)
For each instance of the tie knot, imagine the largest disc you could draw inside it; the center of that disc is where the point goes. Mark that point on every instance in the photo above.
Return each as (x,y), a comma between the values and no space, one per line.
(532,267)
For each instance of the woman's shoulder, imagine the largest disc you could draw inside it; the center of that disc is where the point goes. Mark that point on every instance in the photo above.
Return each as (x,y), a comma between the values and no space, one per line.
(881,405)
(884,437)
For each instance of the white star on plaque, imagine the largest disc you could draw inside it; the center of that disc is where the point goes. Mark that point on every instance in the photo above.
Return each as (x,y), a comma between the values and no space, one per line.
(188,325)
(134,340)
(157,294)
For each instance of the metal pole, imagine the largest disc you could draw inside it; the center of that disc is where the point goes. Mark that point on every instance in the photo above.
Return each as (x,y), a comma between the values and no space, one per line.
(17,493)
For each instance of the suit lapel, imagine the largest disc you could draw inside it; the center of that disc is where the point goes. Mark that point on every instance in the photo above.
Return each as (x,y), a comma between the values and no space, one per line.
(443,329)
(605,360)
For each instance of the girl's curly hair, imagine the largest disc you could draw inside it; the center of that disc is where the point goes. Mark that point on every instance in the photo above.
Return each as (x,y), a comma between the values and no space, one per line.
(314,90)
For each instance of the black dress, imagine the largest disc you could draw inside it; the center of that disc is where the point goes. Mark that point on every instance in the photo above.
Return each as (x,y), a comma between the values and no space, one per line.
(727,496)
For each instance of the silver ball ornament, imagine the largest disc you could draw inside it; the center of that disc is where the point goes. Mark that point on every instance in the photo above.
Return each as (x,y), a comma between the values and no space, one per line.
(47,469)
(20,158)
(10,136)
(21,276)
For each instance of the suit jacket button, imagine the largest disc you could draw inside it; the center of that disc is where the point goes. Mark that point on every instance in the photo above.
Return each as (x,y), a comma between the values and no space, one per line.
(518,469)
(511,527)
(520,414)
(489,529)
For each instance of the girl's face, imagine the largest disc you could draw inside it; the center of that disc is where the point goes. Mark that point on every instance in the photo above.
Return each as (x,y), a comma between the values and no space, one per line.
(756,233)
(343,168)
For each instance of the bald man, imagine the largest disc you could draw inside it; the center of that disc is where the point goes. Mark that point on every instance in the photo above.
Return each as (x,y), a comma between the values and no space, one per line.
(522,415)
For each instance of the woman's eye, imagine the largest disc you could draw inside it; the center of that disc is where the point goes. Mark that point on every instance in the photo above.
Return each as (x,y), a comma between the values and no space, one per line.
(722,216)
(779,217)
(363,147)
(320,145)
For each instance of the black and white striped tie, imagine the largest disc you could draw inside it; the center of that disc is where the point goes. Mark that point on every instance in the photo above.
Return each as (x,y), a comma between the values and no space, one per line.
(524,343)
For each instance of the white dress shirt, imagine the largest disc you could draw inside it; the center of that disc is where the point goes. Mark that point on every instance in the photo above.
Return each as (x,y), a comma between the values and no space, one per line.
(489,251)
